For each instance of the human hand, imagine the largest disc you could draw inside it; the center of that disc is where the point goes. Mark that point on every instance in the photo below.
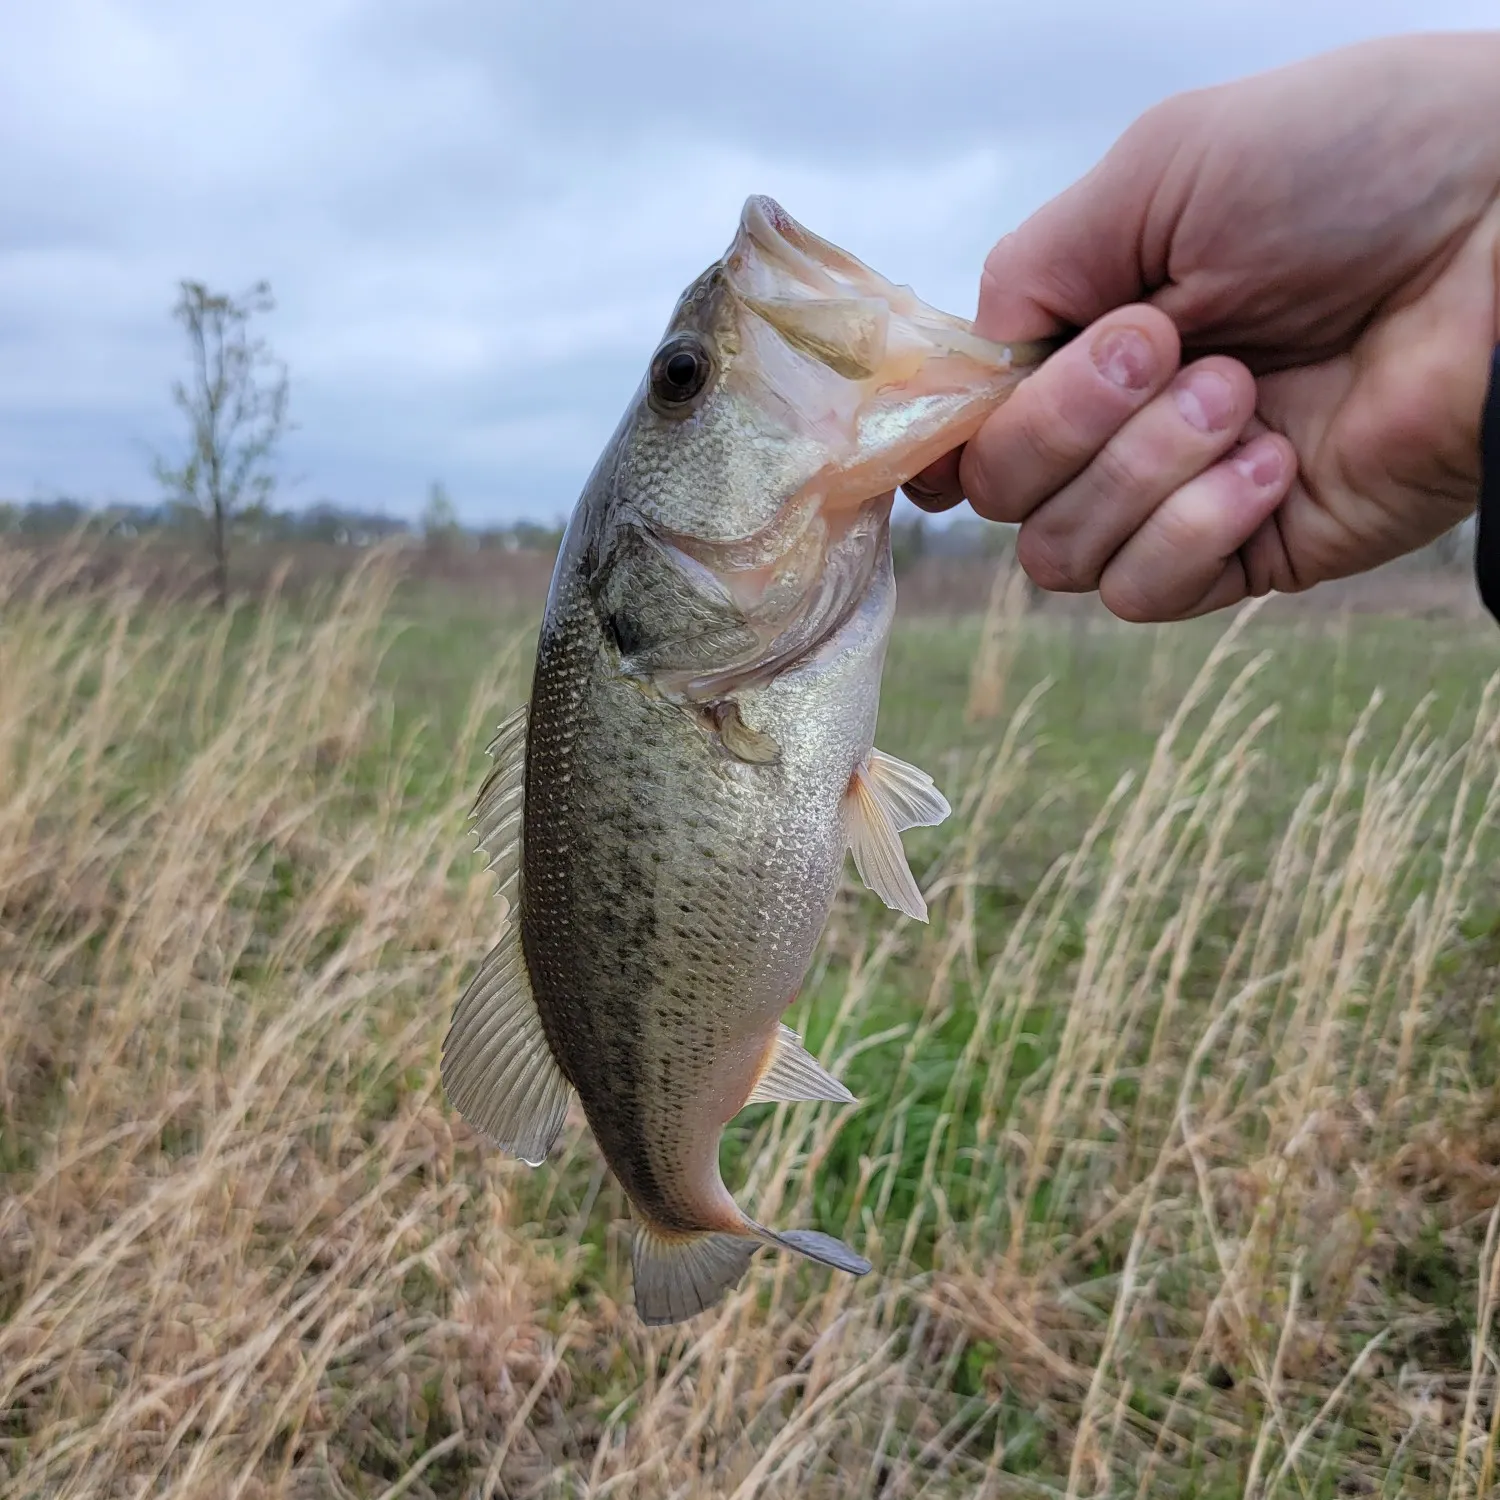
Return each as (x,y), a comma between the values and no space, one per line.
(1321,244)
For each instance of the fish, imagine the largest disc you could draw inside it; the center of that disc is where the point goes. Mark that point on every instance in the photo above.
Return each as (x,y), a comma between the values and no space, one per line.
(669,814)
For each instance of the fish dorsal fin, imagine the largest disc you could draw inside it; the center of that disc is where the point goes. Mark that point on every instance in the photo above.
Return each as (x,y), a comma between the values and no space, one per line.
(497,809)
(497,1067)
(886,796)
(678,1276)
(794,1074)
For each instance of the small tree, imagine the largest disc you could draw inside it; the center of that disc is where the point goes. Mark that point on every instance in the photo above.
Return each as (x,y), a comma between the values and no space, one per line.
(235,401)
(439,519)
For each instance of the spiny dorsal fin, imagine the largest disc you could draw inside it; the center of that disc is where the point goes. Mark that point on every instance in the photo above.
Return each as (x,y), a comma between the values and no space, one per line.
(794,1074)
(497,1067)
(885,796)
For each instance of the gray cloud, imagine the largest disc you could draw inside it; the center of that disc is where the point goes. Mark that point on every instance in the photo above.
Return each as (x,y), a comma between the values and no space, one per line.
(476,216)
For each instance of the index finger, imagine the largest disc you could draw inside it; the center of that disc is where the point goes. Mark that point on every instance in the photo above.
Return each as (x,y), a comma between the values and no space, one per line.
(1056,419)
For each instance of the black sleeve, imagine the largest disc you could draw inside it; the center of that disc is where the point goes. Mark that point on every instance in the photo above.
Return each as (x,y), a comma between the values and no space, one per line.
(1487,530)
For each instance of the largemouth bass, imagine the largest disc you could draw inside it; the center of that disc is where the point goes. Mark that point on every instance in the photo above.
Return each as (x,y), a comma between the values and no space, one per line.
(669,815)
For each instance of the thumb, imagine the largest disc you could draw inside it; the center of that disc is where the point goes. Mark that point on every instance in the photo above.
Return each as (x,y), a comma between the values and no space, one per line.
(1075,259)
(1084,253)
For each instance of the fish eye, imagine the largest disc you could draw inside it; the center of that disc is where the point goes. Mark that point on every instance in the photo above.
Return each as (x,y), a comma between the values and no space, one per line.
(679,371)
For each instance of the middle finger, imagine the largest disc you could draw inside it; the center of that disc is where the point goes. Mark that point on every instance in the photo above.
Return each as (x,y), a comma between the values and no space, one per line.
(1067,541)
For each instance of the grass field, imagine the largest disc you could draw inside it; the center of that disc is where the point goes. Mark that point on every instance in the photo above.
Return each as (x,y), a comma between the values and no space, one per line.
(1178,1143)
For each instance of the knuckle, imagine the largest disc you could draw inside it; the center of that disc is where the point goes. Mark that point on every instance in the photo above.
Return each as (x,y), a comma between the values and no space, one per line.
(1115,473)
(984,484)
(1178,530)
(1147,461)
(1048,564)
(1128,603)
(1056,431)
(1270,564)
(993,279)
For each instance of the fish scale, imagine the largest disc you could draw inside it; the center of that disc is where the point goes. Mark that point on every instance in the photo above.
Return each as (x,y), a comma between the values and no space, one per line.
(669,816)
(681,874)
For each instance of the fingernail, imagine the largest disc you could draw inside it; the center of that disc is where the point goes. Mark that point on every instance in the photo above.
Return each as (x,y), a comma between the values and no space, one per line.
(1205,399)
(929,497)
(1123,357)
(1261,463)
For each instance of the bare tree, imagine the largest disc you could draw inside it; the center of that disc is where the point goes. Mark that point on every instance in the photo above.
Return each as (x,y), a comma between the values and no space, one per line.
(439,519)
(235,401)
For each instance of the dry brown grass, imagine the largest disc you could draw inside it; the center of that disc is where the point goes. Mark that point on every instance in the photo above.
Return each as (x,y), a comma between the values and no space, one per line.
(1158,1236)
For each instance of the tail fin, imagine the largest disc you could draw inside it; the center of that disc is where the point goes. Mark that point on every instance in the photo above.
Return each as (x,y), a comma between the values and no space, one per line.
(678,1276)
(822,1248)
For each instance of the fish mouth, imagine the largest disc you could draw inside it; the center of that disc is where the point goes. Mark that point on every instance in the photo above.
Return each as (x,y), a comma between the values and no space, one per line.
(792,252)
(887,382)
(861,385)
(780,269)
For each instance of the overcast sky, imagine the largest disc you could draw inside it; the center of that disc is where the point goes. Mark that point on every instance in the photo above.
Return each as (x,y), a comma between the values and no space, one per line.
(476,214)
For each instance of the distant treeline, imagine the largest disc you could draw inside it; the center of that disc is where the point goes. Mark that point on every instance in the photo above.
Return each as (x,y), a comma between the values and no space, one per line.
(912,537)
(335,525)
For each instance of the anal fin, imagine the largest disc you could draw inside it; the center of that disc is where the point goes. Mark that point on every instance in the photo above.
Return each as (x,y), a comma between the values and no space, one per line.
(497,1066)
(794,1074)
(886,796)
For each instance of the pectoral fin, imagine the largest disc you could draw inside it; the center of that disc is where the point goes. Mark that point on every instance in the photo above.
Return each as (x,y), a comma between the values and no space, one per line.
(795,1074)
(886,796)
(753,746)
(497,1067)
(910,794)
